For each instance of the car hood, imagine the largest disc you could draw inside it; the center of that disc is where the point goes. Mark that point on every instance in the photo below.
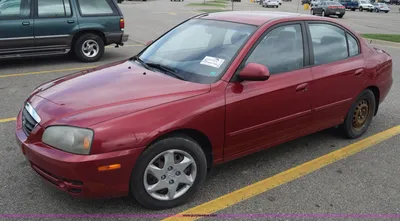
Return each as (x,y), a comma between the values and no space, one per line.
(96,95)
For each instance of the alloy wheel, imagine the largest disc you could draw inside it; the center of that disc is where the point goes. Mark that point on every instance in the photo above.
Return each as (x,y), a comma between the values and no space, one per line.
(90,48)
(170,174)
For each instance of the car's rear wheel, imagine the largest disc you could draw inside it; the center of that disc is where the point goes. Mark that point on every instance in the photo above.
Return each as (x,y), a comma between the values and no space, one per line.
(353,9)
(323,14)
(312,12)
(340,16)
(360,115)
(168,173)
(361,9)
(89,47)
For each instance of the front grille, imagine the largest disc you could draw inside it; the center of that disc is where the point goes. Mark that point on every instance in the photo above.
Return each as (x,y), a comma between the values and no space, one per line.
(28,122)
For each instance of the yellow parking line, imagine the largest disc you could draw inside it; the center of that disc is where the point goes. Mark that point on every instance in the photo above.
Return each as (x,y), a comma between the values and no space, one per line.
(7,120)
(46,72)
(282,178)
(172,13)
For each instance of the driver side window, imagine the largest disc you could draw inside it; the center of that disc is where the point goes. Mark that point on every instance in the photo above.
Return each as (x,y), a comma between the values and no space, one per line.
(281,50)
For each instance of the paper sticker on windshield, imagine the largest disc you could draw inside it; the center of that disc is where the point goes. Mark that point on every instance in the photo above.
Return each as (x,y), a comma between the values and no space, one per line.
(212,61)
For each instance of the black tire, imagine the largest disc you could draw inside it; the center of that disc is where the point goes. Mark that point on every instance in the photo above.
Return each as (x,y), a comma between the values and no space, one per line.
(312,12)
(386,11)
(361,9)
(347,126)
(340,16)
(77,47)
(323,13)
(353,9)
(179,142)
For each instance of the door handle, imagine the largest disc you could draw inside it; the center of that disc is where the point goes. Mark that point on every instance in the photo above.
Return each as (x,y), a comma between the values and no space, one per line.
(70,21)
(359,72)
(302,87)
(26,23)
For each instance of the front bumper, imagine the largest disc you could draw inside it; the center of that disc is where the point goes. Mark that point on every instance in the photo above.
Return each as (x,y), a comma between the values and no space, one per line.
(78,174)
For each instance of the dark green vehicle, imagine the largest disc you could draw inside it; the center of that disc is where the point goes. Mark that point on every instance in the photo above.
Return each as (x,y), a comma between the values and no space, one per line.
(52,27)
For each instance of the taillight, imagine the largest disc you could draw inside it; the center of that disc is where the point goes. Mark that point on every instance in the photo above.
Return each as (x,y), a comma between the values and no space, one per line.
(121,24)
(331,6)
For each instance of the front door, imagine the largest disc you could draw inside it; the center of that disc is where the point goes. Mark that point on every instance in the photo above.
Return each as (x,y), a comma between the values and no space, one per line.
(261,114)
(338,72)
(16,26)
(54,24)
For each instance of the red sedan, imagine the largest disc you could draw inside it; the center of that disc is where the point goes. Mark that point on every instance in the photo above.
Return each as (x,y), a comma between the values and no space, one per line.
(214,88)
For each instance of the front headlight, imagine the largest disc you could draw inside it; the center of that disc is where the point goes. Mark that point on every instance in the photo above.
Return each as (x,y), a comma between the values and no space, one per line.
(69,139)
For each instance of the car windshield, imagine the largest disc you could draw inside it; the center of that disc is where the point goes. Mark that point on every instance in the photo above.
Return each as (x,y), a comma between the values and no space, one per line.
(199,50)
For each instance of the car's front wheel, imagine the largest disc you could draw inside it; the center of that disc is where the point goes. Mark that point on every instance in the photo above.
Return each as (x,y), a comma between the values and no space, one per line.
(361,9)
(89,47)
(360,115)
(168,173)
(323,14)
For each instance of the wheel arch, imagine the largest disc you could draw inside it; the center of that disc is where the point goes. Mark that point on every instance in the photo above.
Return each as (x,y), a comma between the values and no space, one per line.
(376,92)
(86,31)
(193,134)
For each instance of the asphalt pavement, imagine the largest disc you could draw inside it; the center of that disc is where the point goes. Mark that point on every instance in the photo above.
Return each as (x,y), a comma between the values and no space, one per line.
(365,183)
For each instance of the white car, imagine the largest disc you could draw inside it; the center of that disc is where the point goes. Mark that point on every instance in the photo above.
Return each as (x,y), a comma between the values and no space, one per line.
(364,5)
(271,3)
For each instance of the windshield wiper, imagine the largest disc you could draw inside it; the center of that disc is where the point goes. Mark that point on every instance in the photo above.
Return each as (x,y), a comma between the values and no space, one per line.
(136,58)
(165,69)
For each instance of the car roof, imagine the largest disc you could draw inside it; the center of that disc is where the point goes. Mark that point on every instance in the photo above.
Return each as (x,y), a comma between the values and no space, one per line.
(251,17)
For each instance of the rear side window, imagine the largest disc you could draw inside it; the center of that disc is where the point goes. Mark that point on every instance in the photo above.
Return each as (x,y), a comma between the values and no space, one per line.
(54,8)
(14,9)
(353,45)
(96,7)
(329,43)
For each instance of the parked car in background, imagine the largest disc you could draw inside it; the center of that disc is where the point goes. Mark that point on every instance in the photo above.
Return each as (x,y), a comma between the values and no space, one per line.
(381,7)
(43,28)
(350,4)
(328,8)
(364,5)
(271,3)
(395,2)
(215,88)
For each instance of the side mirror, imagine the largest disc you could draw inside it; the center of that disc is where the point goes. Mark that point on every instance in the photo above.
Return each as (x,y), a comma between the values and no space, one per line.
(149,42)
(254,72)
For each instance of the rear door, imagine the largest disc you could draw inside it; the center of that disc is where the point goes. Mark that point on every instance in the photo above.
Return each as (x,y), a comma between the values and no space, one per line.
(338,72)
(16,26)
(54,24)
